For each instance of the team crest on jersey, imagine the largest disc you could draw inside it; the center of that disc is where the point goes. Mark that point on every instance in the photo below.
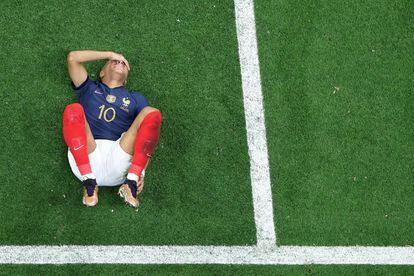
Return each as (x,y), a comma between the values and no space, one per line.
(125,104)
(110,98)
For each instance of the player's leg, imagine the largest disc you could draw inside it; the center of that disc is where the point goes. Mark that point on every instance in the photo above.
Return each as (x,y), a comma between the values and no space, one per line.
(139,141)
(79,138)
(128,139)
(89,138)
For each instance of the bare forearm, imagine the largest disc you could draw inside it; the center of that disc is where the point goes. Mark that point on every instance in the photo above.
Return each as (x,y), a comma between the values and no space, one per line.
(88,55)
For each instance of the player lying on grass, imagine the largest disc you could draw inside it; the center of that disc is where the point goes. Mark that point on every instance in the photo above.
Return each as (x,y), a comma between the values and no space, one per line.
(112,132)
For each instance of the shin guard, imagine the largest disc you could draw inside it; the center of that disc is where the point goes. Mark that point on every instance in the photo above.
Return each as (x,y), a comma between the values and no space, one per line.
(145,141)
(74,133)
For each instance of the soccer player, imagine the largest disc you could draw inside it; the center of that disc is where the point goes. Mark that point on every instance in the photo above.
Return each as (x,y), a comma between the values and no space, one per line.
(112,132)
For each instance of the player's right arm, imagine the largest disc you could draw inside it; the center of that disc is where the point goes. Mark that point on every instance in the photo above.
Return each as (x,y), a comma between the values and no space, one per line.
(77,71)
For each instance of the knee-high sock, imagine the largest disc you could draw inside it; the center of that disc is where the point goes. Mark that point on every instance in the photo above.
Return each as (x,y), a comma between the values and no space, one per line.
(74,133)
(145,141)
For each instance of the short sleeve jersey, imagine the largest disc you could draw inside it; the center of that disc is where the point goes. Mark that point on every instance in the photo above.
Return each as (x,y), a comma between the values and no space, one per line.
(109,111)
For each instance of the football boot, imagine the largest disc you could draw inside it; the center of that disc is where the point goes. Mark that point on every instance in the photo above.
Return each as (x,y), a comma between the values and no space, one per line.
(129,192)
(90,192)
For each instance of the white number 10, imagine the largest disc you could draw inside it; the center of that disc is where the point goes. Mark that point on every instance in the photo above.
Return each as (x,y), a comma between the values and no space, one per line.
(104,112)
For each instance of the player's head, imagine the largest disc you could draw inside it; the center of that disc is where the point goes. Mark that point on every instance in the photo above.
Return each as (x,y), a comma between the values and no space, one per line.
(114,70)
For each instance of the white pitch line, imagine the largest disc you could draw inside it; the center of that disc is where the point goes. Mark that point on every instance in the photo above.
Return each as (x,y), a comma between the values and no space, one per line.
(291,255)
(255,123)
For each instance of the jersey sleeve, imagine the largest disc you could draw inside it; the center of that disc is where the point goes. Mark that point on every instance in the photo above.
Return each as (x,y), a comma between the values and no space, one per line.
(141,101)
(86,86)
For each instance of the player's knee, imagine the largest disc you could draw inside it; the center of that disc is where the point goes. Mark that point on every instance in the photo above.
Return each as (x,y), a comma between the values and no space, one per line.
(155,118)
(152,114)
(73,114)
(146,110)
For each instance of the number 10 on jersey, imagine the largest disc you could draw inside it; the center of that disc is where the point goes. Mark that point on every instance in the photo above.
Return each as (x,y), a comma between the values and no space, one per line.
(104,113)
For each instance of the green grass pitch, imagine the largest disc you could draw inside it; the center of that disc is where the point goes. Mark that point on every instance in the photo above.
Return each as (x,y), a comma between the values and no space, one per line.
(337,83)
(186,63)
(204,270)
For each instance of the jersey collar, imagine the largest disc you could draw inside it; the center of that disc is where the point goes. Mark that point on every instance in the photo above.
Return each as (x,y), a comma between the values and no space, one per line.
(118,87)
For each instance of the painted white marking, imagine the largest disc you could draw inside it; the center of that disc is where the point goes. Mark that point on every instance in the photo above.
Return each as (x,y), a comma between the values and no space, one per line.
(205,255)
(255,123)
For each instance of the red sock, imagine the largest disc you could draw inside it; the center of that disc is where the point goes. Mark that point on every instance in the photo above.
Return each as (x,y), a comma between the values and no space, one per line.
(145,141)
(74,133)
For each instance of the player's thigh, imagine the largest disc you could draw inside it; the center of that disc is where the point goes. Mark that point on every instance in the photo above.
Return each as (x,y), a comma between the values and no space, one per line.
(127,140)
(117,164)
(89,138)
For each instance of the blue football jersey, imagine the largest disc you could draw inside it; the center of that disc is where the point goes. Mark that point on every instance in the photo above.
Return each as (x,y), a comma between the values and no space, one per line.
(109,111)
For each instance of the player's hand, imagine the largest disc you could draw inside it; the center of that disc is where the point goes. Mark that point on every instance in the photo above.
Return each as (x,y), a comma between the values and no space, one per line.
(140,184)
(116,56)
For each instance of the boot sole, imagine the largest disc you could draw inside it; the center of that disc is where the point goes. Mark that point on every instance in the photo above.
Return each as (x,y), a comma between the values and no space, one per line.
(88,205)
(123,194)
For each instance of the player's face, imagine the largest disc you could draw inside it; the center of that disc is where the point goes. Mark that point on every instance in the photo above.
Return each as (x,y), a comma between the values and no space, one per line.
(113,67)
(118,66)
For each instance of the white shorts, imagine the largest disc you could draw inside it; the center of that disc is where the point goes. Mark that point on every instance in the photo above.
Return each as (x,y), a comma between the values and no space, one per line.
(109,162)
